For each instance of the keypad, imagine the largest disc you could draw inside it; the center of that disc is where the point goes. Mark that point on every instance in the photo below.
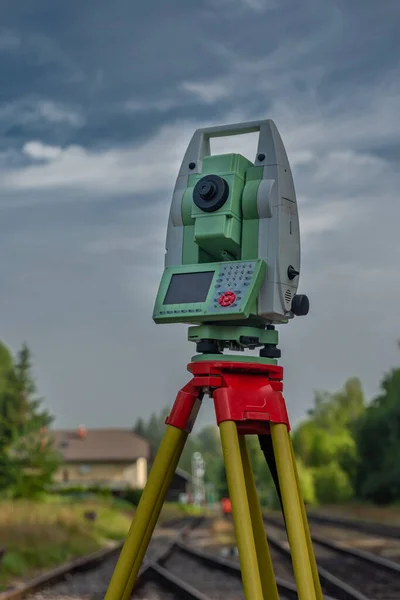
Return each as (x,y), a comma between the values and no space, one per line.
(233,277)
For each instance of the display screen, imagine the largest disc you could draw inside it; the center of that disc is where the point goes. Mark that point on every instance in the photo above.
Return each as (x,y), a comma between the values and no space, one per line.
(187,288)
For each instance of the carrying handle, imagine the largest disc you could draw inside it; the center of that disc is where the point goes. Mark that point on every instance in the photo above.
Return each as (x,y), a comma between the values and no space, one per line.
(270,149)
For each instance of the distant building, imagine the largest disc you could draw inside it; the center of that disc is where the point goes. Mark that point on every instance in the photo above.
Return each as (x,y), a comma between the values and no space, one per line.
(117,459)
(113,458)
(181,484)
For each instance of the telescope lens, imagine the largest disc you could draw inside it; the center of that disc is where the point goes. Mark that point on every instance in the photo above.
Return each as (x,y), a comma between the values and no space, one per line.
(210,193)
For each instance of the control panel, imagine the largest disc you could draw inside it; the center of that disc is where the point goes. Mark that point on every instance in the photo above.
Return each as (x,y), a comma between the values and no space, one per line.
(212,292)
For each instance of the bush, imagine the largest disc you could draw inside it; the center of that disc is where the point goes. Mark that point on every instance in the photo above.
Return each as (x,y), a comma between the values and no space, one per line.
(306,481)
(104,492)
(332,484)
(132,496)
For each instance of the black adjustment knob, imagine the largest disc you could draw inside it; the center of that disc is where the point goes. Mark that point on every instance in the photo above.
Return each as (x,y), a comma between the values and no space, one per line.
(210,193)
(207,190)
(270,351)
(208,347)
(292,273)
(300,305)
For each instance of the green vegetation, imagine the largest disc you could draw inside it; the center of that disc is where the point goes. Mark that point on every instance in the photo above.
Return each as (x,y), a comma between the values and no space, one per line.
(27,458)
(42,534)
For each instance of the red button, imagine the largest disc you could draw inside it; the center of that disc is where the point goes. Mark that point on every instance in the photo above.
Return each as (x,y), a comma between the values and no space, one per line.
(227,298)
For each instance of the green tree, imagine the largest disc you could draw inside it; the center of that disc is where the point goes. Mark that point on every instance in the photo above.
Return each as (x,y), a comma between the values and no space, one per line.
(307,484)
(341,409)
(153,430)
(349,403)
(27,458)
(221,484)
(6,365)
(378,442)
(327,439)
(332,484)
(140,427)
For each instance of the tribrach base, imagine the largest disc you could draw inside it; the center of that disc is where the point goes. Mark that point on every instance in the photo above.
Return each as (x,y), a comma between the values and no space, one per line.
(248,400)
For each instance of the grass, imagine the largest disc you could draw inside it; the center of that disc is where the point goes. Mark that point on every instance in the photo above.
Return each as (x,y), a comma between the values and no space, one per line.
(41,535)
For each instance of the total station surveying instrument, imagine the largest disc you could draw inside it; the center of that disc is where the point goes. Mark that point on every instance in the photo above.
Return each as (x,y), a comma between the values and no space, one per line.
(232,269)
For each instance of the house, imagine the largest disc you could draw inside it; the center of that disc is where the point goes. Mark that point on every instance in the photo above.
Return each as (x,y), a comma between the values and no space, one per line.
(113,458)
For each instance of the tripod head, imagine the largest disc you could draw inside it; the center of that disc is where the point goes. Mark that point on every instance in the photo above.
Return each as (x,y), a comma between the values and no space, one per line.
(233,241)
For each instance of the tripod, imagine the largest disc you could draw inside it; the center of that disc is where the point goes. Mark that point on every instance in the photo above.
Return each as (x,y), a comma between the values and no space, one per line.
(248,400)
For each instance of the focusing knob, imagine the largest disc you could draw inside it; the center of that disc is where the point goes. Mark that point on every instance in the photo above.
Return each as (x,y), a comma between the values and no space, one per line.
(300,305)
(210,193)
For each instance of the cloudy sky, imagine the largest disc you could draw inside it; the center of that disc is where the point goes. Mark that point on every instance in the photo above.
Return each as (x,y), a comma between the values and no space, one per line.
(98,101)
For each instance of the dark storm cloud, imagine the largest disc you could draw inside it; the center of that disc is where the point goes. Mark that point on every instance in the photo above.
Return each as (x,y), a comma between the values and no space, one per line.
(101,61)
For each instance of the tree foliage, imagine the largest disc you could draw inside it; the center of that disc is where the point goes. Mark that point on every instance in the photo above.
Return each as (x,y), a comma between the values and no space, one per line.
(378,441)
(326,446)
(27,458)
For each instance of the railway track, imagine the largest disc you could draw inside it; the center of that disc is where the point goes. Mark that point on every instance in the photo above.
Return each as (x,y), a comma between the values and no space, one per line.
(211,577)
(88,577)
(375,541)
(172,569)
(346,573)
(378,529)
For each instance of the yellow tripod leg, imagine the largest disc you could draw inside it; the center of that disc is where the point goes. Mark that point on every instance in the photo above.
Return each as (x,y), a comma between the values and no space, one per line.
(292,510)
(159,474)
(265,565)
(241,511)
(317,583)
(153,521)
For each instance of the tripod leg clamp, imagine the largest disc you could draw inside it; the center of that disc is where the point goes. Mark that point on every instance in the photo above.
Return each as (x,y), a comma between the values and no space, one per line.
(186,407)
